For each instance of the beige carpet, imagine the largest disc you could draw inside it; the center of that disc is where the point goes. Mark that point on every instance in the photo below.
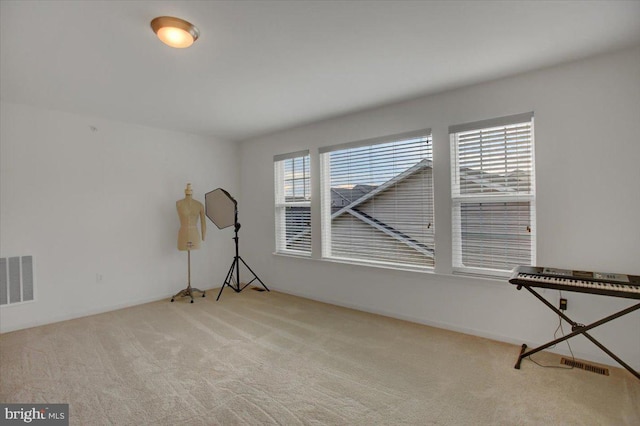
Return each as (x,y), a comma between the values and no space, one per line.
(270,358)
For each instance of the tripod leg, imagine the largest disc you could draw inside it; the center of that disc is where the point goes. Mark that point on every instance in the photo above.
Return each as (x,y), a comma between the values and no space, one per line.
(221,288)
(254,274)
(227,279)
(220,292)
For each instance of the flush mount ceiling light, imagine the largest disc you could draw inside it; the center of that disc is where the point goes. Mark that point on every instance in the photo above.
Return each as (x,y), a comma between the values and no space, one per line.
(175,32)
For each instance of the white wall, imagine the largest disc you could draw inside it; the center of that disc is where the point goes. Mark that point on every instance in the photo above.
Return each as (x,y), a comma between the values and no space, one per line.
(587,122)
(86,202)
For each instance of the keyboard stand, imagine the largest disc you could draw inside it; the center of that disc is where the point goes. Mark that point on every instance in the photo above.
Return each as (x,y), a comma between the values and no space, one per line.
(576,329)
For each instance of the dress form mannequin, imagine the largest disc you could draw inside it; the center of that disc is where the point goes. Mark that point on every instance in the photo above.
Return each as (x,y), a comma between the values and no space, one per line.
(189,210)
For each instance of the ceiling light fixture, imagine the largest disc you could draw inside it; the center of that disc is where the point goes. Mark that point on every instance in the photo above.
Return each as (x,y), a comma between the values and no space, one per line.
(175,32)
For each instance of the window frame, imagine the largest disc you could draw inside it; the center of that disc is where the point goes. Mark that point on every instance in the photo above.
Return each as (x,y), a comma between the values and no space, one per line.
(281,204)
(458,198)
(326,199)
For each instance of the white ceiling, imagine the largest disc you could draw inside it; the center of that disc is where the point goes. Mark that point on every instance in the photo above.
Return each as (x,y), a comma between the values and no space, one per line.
(267,65)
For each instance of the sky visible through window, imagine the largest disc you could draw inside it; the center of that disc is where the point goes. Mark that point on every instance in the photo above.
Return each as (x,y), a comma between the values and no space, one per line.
(376,164)
(297,179)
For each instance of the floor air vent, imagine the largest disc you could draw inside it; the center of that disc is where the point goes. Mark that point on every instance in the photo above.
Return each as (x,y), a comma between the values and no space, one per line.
(16,280)
(585,366)
(257,288)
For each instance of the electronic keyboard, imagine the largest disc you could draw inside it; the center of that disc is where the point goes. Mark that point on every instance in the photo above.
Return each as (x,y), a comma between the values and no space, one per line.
(608,284)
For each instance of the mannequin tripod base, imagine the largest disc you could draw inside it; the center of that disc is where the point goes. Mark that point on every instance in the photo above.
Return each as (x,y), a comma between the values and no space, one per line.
(187,292)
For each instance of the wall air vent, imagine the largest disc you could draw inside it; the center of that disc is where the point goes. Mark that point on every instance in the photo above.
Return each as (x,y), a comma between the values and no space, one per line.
(16,280)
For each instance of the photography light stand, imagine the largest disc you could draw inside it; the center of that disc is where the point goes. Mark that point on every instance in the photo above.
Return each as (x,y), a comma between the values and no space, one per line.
(222,210)
(234,282)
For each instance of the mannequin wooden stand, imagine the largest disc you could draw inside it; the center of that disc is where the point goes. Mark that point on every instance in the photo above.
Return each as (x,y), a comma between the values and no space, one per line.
(189,290)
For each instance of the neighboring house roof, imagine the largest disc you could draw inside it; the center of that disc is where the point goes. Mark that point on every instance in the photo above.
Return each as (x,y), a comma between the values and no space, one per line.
(509,182)
(341,195)
(396,179)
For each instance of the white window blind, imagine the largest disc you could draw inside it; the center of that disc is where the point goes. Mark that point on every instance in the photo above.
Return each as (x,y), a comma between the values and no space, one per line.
(377,201)
(293,203)
(493,195)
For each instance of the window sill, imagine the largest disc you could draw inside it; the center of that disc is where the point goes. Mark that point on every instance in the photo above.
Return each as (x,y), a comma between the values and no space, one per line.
(407,268)
(497,278)
(480,273)
(293,255)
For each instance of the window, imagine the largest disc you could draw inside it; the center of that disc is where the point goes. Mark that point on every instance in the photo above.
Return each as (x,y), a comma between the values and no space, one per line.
(493,195)
(377,201)
(293,203)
